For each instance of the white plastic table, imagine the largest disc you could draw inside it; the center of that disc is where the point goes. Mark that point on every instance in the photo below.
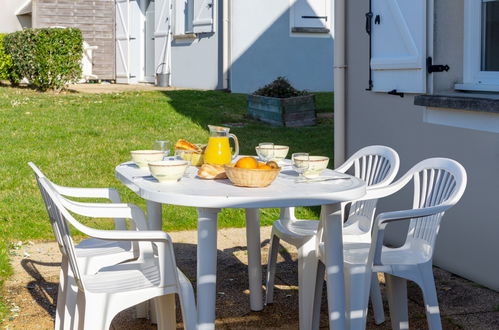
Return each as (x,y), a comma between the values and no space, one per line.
(210,196)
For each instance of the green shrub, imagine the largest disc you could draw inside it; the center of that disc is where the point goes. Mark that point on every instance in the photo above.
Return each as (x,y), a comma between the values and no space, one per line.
(280,88)
(49,58)
(6,72)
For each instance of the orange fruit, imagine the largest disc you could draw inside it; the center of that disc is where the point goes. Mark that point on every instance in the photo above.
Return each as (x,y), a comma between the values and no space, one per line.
(247,162)
(264,167)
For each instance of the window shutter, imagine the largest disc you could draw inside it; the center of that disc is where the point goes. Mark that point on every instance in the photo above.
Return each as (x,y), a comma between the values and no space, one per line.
(311,13)
(122,41)
(203,16)
(161,32)
(398,57)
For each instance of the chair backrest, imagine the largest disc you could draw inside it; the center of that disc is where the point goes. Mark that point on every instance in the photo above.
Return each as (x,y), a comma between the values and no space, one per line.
(377,166)
(437,181)
(59,215)
(51,210)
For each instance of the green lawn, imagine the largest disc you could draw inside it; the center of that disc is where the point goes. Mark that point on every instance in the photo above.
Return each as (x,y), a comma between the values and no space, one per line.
(78,139)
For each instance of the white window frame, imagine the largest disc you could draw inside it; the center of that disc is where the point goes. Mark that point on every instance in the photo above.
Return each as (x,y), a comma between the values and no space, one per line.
(292,23)
(473,77)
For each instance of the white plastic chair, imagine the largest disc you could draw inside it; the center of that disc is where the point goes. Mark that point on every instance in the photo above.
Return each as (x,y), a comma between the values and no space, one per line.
(378,166)
(112,289)
(92,253)
(439,183)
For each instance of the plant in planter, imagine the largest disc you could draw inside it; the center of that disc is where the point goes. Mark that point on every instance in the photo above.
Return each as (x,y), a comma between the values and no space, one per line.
(280,104)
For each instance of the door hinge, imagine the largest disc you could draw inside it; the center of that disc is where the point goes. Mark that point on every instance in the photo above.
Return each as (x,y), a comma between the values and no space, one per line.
(435,67)
(394,92)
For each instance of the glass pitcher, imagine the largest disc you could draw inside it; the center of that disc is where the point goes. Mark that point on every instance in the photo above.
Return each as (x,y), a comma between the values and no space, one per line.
(218,148)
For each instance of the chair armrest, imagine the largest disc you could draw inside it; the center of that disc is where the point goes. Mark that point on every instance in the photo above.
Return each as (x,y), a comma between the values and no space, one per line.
(385,218)
(107,210)
(166,257)
(108,193)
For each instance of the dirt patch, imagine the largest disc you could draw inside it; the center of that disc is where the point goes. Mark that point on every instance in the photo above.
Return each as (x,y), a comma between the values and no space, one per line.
(32,291)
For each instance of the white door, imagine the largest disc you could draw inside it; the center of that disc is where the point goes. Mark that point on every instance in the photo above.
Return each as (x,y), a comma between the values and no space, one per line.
(122,41)
(136,31)
(149,43)
(161,36)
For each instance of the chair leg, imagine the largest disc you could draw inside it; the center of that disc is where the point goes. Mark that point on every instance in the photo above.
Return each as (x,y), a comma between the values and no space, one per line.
(377,300)
(95,314)
(61,296)
(271,266)
(319,284)
(396,288)
(187,303)
(307,273)
(79,322)
(430,299)
(165,311)
(71,310)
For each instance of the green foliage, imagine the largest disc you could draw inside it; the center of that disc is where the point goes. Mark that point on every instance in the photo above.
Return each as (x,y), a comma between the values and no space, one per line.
(5,63)
(49,58)
(280,88)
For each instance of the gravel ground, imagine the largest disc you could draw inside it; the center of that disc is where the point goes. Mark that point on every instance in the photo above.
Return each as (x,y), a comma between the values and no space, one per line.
(32,290)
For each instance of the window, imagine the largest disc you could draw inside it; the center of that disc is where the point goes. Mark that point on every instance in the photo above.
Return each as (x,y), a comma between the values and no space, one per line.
(310,16)
(481,46)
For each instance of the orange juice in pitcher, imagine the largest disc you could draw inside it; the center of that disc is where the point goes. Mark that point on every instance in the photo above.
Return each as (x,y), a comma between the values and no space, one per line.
(218,148)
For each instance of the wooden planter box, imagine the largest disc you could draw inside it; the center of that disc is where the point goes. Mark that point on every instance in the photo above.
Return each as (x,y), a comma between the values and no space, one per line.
(292,112)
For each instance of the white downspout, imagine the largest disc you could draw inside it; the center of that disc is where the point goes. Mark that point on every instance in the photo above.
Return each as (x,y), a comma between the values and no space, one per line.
(339,81)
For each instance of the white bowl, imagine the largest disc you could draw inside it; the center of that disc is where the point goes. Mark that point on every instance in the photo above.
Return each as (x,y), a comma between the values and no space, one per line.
(278,152)
(316,165)
(168,171)
(142,157)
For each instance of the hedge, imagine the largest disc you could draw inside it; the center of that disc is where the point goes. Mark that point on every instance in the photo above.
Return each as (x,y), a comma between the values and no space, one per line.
(6,72)
(48,58)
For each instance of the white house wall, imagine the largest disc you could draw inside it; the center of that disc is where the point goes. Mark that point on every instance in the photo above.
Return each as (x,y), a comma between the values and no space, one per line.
(467,244)
(197,63)
(263,48)
(9,22)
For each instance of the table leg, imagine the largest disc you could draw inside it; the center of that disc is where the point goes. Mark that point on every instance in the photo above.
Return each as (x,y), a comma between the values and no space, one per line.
(207,267)
(154,215)
(333,240)
(254,258)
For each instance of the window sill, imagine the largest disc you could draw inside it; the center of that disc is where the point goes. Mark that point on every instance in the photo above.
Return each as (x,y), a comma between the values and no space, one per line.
(309,30)
(477,112)
(477,87)
(479,102)
(187,36)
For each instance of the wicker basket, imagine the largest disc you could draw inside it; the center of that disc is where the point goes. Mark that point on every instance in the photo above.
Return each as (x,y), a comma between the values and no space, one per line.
(245,177)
